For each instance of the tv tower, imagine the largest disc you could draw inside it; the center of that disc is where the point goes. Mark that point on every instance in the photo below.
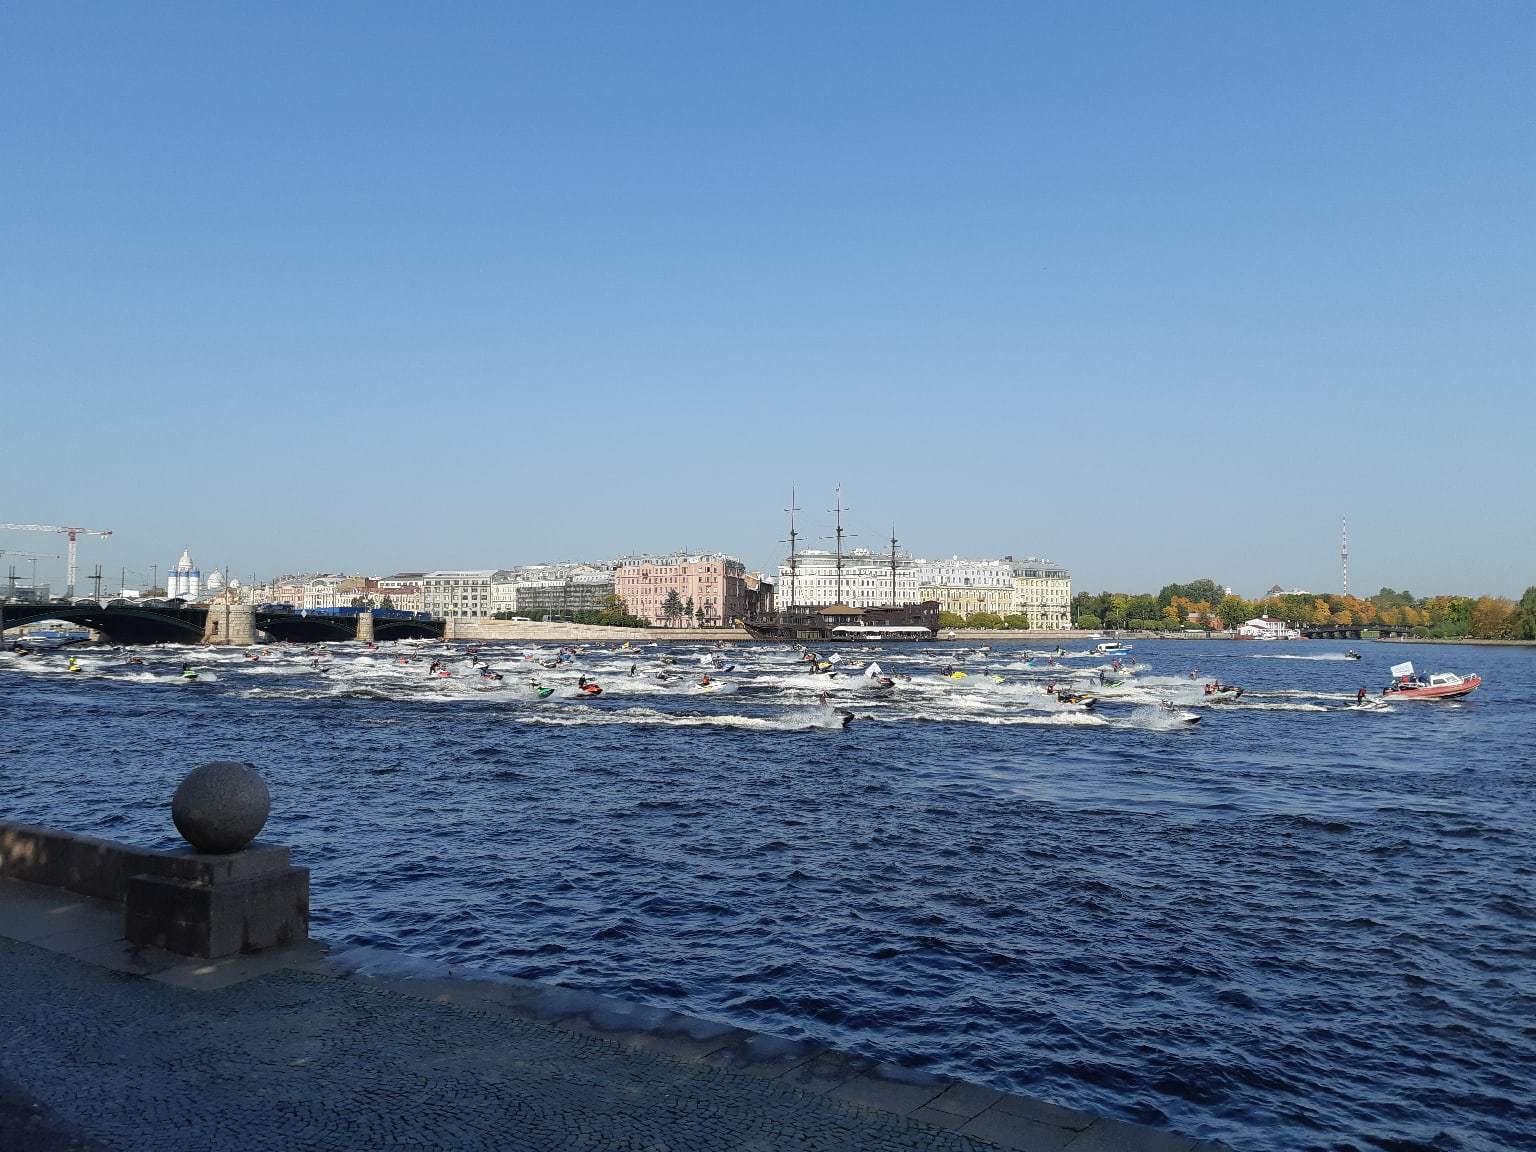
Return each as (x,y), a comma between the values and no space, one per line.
(1344,553)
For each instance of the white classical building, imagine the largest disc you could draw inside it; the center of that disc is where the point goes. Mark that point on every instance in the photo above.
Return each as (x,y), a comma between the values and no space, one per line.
(540,588)
(815,579)
(1267,628)
(965,587)
(1043,592)
(184,580)
(1037,589)
(461,594)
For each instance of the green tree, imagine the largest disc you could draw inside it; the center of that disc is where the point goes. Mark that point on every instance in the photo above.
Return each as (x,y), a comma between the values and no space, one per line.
(386,603)
(1526,614)
(1233,610)
(1086,603)
(1195,591)
(1016,620)
(983,620)
(688,613)
(951,620)
(672,607)
(1088,620)
(1115,613)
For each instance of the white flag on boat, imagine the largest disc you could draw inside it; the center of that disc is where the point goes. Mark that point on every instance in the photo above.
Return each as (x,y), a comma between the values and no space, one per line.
(1403,669)
(873,670)
(837,658)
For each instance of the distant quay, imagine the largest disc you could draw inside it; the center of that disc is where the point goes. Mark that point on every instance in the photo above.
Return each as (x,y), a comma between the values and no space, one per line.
(535,632)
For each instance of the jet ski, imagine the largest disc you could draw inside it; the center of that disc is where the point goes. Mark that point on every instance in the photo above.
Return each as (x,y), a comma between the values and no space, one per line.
(1371,704)
(1219,693)
(540,691)
(1351,655)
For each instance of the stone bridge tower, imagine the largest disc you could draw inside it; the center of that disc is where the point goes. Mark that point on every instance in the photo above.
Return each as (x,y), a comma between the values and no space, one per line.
(229,623)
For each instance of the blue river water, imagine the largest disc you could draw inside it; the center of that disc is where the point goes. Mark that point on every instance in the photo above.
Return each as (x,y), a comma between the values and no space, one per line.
(1289,925)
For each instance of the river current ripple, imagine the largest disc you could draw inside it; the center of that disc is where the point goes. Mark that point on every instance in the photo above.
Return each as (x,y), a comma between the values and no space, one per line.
(1289,926)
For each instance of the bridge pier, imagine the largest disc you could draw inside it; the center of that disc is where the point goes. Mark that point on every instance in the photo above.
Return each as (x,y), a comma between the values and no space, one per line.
(365,627)
(230,624)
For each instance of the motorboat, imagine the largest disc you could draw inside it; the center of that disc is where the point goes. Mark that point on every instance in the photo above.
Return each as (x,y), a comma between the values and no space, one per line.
(1111,648)
(1439,686)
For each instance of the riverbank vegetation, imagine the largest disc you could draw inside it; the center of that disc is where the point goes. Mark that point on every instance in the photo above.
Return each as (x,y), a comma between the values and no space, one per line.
(614,614)
(1014,621)
(1205,604)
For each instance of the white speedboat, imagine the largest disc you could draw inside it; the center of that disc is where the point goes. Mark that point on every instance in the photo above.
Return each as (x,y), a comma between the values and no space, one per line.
(1111,648)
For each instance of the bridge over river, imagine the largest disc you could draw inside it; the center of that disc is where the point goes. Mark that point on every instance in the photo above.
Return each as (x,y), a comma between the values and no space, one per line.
(1356,631)
(173,622)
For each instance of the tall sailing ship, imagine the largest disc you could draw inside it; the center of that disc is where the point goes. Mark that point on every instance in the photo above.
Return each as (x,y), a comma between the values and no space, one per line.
(838,621)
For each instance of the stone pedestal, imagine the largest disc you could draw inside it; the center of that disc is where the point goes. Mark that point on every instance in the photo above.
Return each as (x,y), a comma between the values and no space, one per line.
(365,627)
(207,905)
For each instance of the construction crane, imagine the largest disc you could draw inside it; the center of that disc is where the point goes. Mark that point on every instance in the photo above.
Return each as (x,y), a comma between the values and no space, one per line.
(72,533)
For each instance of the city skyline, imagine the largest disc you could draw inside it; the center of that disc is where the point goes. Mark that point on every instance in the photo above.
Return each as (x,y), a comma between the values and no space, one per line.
(1155,294)
(50,571)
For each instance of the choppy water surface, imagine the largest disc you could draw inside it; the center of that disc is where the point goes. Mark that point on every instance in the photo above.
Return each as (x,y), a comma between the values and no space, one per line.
(1291,925)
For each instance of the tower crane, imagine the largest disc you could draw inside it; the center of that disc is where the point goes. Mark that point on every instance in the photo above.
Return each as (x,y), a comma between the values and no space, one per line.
(72,533)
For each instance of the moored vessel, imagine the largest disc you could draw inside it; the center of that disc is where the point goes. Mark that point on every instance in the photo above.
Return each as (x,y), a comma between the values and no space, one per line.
(840,623)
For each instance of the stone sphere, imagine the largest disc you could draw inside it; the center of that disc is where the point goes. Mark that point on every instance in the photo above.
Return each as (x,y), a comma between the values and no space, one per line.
(221,806)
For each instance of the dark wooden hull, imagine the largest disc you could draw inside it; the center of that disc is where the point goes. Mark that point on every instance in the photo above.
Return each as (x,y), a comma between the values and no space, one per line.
(803,633)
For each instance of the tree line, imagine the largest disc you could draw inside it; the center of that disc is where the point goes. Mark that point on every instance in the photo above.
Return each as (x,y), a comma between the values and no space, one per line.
(1205,604)
(614,613)
(1014,620)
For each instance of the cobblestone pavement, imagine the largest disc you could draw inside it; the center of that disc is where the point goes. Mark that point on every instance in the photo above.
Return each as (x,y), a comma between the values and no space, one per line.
(294,1060)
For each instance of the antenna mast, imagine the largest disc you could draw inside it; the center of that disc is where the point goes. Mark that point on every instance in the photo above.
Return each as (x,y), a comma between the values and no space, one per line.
(1344,553)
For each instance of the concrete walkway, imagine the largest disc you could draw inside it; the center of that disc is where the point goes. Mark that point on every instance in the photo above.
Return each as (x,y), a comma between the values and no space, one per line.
(104,1047)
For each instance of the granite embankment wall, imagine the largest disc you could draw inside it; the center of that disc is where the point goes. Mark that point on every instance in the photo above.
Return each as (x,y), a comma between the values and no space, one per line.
(537,632)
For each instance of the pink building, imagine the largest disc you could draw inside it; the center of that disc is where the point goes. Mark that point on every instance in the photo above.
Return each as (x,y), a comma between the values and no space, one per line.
(715,584)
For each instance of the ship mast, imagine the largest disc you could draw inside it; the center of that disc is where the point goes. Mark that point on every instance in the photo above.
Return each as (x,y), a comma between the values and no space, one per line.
(839,537)
(893,564)
(794,560)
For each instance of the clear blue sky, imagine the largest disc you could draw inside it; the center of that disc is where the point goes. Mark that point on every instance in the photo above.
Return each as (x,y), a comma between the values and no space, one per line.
(1158,291)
